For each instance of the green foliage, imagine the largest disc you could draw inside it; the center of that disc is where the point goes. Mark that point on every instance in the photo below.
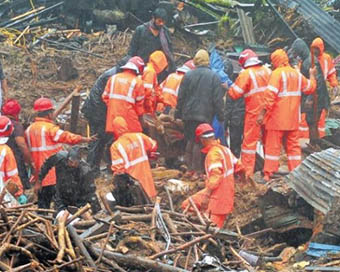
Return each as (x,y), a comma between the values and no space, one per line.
(223,3)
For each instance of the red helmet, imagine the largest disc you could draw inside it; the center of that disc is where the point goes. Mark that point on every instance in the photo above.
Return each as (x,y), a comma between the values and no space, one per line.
(136,64)
(11,107)
(6,129)
(43,104)
(204,129)
(248,58)
(189,65)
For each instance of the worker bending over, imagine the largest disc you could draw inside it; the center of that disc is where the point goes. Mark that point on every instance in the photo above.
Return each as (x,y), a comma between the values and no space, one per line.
(217,198)
(130,154)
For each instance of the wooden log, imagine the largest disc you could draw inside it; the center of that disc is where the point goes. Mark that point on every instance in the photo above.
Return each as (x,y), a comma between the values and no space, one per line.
(139,262)
(66,101)
(75,113)
(61,237)
(105,243)
(181,247)
(79,243)
(193,205)
(78,213)
(170,198)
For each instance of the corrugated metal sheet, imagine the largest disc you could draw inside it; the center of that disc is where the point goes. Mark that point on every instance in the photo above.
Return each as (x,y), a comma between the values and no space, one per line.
(317,179)
(323,24)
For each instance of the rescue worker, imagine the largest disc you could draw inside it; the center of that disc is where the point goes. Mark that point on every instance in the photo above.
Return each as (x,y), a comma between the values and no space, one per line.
(17,142)
(129,154)
(250,84)
(124,96)
(153,36)
(300,50)
(8,165)
(3,86)
(200,98)
(153,95)
(330,76)
(169,87)
(75,181)
(94,110)
(44,138)
(282,100)
(217,198)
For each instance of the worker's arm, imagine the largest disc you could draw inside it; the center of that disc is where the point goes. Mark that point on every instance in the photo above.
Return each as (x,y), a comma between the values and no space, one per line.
(150,144)
(117,162)
(11,170)
(182,93)
(48,165)
(308,86)
(60,136)
(240,86)
(139,97)
(20,141)
(107,90)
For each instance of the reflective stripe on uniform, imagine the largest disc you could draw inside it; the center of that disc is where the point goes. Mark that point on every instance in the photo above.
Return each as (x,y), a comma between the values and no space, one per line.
(286,94)
(325,63)
(273,89)
(148,85)
(58,134)
(12,173)
(254,91)
(215,165)
(170,91)
(43,146)
(303,128)
(237,89)
(122,97)
(123,153)
(294,158)
(248,151)
(116,162)
(271,158)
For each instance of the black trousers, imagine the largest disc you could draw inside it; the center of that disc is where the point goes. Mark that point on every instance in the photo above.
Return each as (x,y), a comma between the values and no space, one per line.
(101,145)
(45,197)
(236,136)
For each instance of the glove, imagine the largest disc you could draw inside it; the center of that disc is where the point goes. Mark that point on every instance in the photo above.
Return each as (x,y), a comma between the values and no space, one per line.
(22,199)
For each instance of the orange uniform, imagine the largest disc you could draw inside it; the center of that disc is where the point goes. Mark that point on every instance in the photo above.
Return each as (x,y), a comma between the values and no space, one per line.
(8,167)
(170,87)
(129,154)
(282,102)
(43,138)
(219,167)
(153,95)
(304,128)
(251,84)
(326,63)
(124,96)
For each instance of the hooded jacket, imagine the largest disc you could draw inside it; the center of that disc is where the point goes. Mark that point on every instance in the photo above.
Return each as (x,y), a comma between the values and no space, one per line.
(153,94)
(129,154)
(300,49)
(200,95)
(326,63)
(282,98)
(75,186)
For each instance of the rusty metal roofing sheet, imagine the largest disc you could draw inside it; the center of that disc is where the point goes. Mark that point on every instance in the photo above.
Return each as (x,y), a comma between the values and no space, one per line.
(317,179)
(323,23)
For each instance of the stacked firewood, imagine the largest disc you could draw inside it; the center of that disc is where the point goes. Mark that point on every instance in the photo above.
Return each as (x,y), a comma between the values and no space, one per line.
(151,237)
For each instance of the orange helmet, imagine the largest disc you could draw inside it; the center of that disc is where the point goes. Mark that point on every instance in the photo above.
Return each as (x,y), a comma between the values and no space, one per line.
(11,107)
(6,129)
(189,65)
(248,58)
(136,64)
(204,130)
(43,104)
